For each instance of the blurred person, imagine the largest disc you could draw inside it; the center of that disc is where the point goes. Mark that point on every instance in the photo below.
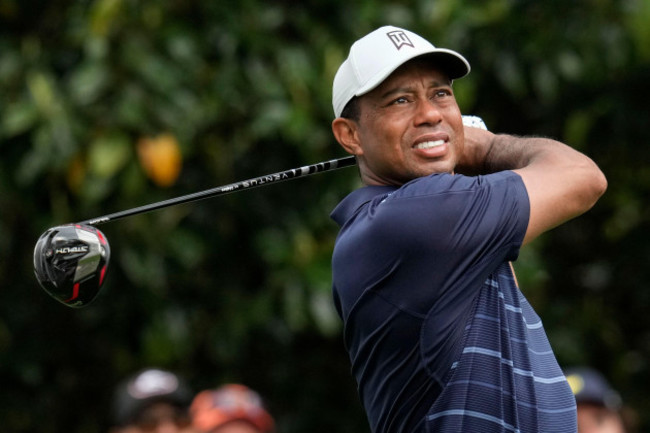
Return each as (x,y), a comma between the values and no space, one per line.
(152,401)
(231,408)
(599,405)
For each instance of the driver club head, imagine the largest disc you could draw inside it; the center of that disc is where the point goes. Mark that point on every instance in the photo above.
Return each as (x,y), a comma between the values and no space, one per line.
(70,263)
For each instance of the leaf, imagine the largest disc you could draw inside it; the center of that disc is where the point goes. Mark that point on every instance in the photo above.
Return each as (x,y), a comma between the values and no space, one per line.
(88,82)
(18,118)
(103,15)
(108,154)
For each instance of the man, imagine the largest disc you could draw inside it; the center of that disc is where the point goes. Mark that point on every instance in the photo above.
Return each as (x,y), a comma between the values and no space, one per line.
(599,406)
(153,401)
(439,336)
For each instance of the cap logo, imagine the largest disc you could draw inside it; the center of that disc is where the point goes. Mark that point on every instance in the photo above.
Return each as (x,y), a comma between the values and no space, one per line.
(399,39)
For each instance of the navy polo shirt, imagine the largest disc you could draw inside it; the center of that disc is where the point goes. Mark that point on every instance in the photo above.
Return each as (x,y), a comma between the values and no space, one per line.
(439,335)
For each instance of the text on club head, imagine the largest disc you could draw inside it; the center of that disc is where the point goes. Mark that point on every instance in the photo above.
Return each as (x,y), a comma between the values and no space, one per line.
(72,250)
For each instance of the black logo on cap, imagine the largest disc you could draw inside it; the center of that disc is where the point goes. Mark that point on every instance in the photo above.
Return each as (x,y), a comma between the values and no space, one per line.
(399,39)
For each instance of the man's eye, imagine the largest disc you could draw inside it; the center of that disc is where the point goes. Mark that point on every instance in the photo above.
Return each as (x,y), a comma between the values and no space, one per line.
(400,100)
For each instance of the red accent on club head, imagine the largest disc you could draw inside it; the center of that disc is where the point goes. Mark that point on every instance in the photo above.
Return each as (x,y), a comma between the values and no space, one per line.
(101,275)
(75,293)
(101,237)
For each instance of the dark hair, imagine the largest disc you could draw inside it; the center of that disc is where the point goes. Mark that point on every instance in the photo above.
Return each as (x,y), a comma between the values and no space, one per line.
(352,110)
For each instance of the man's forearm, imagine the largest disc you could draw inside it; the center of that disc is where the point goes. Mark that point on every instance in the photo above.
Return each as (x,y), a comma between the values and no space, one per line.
(485,152)
(507,152)
(561,182)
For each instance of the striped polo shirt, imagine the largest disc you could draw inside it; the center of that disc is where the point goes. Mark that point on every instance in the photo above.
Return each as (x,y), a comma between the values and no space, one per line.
(439,336)
(519,386)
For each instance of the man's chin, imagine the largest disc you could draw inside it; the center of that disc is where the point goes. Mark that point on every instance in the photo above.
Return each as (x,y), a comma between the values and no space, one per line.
(438,167)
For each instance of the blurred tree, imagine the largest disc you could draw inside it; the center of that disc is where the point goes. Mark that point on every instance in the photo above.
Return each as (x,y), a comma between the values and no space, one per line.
(237,288)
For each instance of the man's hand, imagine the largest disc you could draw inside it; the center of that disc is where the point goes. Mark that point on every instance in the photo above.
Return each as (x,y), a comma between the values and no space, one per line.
(478,142)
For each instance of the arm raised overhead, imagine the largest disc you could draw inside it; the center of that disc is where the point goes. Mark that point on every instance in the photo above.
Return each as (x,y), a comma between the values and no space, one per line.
(561,182)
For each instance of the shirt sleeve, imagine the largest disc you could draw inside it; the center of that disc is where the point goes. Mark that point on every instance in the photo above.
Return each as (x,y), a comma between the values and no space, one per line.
(447,233)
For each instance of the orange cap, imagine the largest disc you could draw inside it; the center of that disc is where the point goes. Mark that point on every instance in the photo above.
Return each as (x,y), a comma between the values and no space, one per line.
(232,402)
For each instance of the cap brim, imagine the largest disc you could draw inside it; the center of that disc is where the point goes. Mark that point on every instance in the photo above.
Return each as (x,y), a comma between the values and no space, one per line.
(450,62)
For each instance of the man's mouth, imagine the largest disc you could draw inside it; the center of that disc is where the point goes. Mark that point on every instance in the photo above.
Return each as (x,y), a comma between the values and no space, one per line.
(429,144)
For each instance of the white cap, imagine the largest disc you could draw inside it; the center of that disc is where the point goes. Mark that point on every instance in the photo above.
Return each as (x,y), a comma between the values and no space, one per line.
(375,56)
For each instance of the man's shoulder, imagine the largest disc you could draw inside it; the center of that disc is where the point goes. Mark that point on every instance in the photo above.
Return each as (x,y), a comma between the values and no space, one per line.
(438,184)
(463,189)
(357,198)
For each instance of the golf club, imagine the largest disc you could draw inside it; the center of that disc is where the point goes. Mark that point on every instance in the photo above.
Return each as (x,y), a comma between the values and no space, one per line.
(70,260)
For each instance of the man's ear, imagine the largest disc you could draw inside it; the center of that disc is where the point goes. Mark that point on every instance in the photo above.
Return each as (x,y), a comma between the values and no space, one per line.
(346,133)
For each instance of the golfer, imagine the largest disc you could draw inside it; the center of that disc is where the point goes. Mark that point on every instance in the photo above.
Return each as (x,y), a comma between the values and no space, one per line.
(439,335)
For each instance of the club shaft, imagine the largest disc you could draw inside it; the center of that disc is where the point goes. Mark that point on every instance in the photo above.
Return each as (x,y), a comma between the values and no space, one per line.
(293,173)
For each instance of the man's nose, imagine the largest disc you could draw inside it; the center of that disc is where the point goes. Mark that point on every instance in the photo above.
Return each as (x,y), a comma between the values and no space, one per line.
(427,113)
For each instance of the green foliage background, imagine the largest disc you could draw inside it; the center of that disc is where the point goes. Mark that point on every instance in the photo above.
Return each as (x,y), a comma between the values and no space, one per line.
(237,288)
